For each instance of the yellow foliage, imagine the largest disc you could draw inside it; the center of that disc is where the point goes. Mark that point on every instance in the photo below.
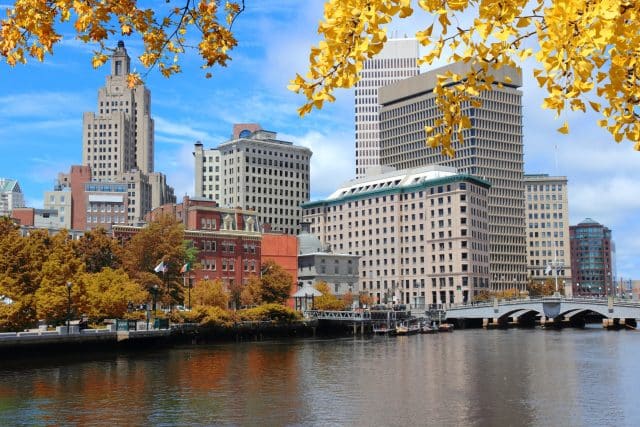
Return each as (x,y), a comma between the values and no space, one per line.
(210,294)
(30,29)
(583,48)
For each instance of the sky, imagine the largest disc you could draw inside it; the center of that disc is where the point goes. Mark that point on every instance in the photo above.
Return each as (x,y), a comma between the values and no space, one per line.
(41,106)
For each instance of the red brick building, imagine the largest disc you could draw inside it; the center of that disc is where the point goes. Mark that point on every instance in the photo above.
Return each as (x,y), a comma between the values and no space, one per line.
(283,249)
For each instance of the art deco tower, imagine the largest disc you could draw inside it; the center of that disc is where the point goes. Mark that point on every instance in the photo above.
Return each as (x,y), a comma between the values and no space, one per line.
(119,136)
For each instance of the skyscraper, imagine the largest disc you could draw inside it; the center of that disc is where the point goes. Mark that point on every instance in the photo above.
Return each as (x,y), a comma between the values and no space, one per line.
(119,136)
(398,60)
(591,258)
(547,219)
(493,150)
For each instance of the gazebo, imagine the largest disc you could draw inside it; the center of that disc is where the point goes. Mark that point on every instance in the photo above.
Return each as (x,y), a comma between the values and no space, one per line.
(303,298)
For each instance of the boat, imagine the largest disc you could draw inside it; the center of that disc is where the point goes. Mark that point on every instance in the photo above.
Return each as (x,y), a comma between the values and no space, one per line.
(413,328)
(445,327)
(402,330)
(426,329)
(382,330)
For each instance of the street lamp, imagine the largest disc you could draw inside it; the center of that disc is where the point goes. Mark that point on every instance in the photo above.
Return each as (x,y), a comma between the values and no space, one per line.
(68,306)
(154,290)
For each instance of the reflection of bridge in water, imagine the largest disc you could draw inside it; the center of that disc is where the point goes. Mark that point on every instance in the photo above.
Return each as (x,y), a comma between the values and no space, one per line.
(554,310)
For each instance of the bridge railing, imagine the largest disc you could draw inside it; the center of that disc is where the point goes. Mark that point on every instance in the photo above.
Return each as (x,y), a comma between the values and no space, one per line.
(339,315)
(619,302)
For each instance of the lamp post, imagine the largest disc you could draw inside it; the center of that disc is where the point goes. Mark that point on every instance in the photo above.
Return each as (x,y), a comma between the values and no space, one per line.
(154,290)
(68,306)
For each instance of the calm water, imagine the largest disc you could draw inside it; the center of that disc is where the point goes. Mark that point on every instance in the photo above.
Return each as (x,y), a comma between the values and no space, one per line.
(471,377)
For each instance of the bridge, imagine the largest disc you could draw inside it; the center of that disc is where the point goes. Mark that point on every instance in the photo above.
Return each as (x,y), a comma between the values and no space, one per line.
(553,310)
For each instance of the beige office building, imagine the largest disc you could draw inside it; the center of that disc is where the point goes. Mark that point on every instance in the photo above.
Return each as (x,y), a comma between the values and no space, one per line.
(421,234)
(118,145)
(256,171)
(493,150)
(548,243)
(397,60)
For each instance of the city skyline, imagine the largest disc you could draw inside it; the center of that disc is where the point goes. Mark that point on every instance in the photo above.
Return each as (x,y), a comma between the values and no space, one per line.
(41,121)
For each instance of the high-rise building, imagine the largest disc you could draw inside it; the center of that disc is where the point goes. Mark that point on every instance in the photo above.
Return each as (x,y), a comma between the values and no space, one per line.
(255,170)
(116,183)
(493,150)
(421,234)
(397,60)
(591,258)
(547,219)
(120,136)
(10,196)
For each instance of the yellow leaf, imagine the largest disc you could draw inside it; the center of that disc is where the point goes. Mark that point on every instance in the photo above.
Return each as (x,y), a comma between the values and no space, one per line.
(564,129)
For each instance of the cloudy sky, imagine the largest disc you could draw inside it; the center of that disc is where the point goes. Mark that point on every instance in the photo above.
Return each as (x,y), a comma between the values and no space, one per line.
(41,106)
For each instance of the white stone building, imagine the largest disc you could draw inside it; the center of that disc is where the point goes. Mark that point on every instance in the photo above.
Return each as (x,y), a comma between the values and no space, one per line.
(397,60)
(421,234)
(11,196)
(256,171)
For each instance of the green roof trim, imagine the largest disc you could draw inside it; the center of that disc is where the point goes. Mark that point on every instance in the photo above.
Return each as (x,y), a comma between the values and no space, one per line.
(399,190)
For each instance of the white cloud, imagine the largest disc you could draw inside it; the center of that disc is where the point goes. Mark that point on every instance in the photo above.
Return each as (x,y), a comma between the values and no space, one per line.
(178,133)
(332,162)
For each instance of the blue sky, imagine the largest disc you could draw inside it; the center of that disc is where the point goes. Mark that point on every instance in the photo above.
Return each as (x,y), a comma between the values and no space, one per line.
(41,106)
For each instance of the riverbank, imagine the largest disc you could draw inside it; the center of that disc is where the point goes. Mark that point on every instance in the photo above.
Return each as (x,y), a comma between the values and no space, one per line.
(38,343)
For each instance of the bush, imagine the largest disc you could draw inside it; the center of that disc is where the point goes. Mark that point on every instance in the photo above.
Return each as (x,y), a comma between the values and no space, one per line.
(275,312)
(217,317)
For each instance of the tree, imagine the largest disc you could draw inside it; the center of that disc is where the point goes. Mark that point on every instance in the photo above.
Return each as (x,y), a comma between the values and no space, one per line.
(161,241)
(98,250)
(365,299)
(539,289)
(251,294)
(31,29)
(61,267)
(210,294)
(327,301)
(109,293)
(276,283)
(584,49)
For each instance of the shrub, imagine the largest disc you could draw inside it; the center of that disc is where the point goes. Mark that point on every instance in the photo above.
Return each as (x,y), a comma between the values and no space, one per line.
(273,311)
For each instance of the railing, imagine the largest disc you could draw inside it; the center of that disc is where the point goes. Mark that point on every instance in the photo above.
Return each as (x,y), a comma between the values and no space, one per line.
(339,315)
(619,302)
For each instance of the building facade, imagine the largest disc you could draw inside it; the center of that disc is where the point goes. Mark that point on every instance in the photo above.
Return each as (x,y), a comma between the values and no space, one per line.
(397,60)
(118,141)
(11,196)
(228,240)
(421,234)
(317,264)
(256,171)
(547,220)
(120,136)
(591,259)
(492,149)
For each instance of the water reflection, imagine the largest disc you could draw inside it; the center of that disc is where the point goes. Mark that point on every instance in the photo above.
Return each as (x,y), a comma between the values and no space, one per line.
(473,377)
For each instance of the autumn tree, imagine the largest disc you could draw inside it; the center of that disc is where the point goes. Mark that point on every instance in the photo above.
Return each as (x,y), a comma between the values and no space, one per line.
(365,299)
(109,293)
(586,53)
(251,293)
(21,272)
(327,301)
(276,283)
(210,293)
(160,241)
(98,250)
(546,288)
(61,267)
(32,29)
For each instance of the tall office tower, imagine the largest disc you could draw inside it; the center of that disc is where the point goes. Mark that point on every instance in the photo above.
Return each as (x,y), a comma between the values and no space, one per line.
(120,136)
(398,60)
(254,170)
(547,219)
(10,196)
(492,150)
(592,253)
(421,234)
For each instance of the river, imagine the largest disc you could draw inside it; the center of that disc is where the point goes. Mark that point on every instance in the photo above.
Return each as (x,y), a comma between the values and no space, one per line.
(475,377)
